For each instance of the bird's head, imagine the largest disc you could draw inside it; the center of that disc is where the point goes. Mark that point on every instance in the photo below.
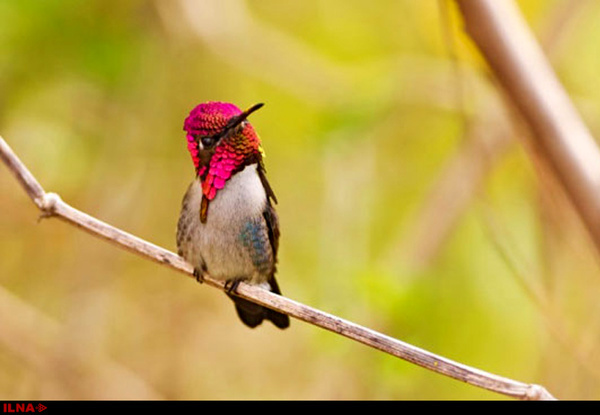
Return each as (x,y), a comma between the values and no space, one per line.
(221,142)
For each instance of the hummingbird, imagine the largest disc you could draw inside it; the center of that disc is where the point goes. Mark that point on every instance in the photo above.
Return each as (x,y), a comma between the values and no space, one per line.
(228,227)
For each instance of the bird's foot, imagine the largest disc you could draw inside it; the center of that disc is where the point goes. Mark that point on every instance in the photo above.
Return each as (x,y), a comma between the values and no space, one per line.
(199,275)
(231,286)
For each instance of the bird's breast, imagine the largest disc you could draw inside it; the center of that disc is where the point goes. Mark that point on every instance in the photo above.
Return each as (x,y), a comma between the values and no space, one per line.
(243,194)
(221,244)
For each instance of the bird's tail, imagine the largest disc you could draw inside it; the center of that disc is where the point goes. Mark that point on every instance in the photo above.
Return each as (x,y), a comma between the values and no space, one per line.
(253,314)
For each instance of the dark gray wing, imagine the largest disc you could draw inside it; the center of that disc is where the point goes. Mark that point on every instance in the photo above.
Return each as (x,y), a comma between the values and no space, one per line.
(263,178)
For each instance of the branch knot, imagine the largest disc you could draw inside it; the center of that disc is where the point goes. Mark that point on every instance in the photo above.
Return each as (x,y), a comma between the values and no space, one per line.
(48,204)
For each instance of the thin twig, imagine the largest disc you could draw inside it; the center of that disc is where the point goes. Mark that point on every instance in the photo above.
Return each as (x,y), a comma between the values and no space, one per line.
(51,205)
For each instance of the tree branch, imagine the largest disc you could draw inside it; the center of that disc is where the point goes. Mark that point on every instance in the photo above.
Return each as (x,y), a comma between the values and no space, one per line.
(502,35)
(51,205)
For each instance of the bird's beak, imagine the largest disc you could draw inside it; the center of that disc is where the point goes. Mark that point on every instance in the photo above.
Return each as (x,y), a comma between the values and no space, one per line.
(237,120)
(240,118)
(250,110)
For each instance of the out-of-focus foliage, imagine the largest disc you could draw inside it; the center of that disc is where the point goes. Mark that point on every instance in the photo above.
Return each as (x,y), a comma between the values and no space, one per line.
(372,110)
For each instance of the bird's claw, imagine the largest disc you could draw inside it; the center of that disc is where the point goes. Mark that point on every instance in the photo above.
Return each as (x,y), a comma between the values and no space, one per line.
(199,275)
(231,286)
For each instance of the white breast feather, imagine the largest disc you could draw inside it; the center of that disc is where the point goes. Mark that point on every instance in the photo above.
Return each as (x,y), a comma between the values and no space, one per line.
(216,241)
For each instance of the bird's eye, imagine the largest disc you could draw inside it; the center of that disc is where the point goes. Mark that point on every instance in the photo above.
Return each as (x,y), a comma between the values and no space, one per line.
(207,141)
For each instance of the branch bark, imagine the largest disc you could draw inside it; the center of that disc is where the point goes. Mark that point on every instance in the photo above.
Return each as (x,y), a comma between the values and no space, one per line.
(513,54)
(51,205)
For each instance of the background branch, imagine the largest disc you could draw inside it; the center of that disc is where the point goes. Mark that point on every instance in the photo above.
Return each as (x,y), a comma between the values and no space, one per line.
(51,205)
(500,32)
(490,134)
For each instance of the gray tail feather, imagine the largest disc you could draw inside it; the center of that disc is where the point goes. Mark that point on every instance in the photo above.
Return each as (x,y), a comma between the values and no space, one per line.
(253,314)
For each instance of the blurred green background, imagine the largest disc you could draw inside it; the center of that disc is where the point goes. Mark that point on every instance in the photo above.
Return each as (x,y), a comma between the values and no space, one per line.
(411,201)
